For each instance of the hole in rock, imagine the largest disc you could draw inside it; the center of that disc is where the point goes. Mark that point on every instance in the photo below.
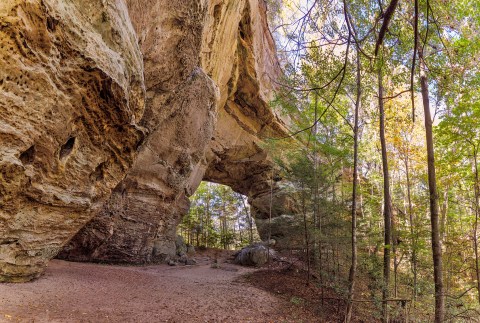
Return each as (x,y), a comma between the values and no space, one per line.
(218,218)
(51,23)
(28,156)
(67,147)
(217,11)
(98,174)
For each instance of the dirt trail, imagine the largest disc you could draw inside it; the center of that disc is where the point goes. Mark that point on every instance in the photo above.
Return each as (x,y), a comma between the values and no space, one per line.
(80,292)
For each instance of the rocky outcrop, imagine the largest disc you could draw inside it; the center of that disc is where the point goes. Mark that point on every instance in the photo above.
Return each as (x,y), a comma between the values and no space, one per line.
(71,97)
(235,49)
(139,222)
(237,158)
(114,111)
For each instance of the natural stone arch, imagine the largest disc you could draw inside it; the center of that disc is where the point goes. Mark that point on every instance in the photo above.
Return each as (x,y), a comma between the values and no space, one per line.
(139,222)
(102,120)
(272,206)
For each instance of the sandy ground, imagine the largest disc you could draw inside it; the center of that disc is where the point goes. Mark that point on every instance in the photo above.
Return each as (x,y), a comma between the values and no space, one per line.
(80,292)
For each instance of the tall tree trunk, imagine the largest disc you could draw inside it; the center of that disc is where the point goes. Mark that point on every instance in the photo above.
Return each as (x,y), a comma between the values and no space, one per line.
(315,188)
(305,232)
(224,223)
(432,186)
(387,209)
(249,219)
(413,233)
(444,212)
(475,230)
(353,266)
(207,217)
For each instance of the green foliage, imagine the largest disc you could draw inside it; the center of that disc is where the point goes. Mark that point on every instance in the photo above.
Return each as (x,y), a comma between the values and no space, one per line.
(318,158)
(218,218)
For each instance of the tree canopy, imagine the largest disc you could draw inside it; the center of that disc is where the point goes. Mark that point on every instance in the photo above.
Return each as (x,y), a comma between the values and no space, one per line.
(366,76)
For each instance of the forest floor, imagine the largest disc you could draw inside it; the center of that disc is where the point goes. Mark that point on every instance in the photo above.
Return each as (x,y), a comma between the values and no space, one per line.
(289,282)
(83,292)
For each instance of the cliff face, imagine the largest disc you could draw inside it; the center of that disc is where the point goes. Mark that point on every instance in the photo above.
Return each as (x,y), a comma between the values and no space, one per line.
(71,97)
(113,112)
(139,220)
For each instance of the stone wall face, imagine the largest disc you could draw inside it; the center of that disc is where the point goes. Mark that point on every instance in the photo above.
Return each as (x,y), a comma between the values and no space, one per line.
(232,45)
(71,98)
(134,103)
(138,223)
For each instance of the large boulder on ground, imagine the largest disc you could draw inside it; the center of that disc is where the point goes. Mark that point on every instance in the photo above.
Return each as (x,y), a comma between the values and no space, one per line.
(180,246)
(254,255)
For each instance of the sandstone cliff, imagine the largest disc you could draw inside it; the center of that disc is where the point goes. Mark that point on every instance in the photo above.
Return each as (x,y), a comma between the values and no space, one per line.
(71,97)
(134,101)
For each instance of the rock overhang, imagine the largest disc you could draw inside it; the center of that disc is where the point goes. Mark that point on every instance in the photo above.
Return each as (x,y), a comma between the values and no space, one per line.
(192,84)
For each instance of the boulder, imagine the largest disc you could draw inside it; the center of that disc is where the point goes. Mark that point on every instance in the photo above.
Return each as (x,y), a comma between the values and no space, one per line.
(190,249)
(254,255)
(180,246)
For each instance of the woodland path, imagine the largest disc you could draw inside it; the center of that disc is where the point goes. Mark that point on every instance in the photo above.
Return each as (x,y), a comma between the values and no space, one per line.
(83,292)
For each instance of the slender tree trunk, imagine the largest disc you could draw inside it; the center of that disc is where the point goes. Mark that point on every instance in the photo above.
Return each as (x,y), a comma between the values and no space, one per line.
(202,226)
(197,240)
(224,223)
(432,186)
(475,231)
(317,244)
(353,266)
(387,209)
(236,224)
(315,192)
(234,233)
(305,231)
(394,238)
(249,219)
(207,217)
(444,212)
(331,258)
(412,229)
(315,175)
(270,219)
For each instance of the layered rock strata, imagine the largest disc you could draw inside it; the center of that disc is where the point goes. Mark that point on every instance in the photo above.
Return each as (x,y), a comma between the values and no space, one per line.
(114,111)
(140,220)
(71,97)
(237,52)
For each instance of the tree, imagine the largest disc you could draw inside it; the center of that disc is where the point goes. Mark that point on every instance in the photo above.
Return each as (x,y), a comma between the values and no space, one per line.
(426,49)
(218,217)
(358,102)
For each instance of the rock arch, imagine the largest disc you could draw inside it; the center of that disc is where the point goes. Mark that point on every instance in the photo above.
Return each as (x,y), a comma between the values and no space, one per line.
(189,103)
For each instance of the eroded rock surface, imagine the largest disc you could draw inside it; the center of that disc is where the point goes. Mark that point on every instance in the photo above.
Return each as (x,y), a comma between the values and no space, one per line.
(114,111)
(139,222)
(233,45)
(237,158)
(71,97)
